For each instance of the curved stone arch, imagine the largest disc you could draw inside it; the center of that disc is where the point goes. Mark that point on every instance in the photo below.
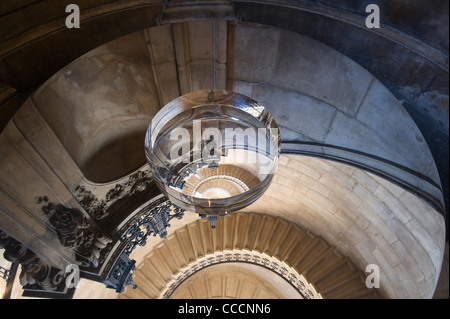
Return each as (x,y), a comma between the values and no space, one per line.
(325,104)
(328,106)
(322,265)
(67,172)
(368,218)
(49,32)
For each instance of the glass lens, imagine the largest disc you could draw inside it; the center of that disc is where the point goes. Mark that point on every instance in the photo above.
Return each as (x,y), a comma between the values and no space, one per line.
(213,155)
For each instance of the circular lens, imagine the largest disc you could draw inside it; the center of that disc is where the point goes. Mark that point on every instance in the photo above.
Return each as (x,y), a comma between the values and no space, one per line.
(213,152)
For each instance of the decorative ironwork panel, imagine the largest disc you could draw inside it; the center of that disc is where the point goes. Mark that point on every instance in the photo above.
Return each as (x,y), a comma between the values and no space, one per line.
(154,222)
(120,275)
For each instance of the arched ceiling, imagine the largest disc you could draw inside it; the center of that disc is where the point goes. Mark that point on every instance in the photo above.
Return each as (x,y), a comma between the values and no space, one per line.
(408,54)
(338,90)
(324,103)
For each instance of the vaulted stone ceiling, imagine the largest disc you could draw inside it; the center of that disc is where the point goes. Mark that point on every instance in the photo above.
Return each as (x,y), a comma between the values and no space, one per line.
(338,91)
(408,54)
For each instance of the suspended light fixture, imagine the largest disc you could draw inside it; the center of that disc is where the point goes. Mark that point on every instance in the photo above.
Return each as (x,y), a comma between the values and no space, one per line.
(213,152)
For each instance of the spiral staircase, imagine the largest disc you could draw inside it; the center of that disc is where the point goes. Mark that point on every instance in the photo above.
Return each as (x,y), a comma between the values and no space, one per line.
(339,97)
(223,181)
(322,265)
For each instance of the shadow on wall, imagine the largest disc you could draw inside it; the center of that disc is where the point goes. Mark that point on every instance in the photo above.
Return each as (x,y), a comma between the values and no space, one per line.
(115,158)
(99,107)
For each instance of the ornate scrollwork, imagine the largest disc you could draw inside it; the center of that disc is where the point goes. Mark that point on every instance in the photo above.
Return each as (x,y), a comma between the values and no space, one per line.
(212,218)
(92,205)
(154,222)
(98,208)
(34,270)
(120,275)
(75,232)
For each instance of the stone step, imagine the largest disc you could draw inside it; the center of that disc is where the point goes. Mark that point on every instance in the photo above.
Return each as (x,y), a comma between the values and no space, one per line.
(331,273)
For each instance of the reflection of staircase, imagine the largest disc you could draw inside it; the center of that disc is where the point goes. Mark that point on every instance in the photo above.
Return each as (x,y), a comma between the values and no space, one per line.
(230,178)
(332,274)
